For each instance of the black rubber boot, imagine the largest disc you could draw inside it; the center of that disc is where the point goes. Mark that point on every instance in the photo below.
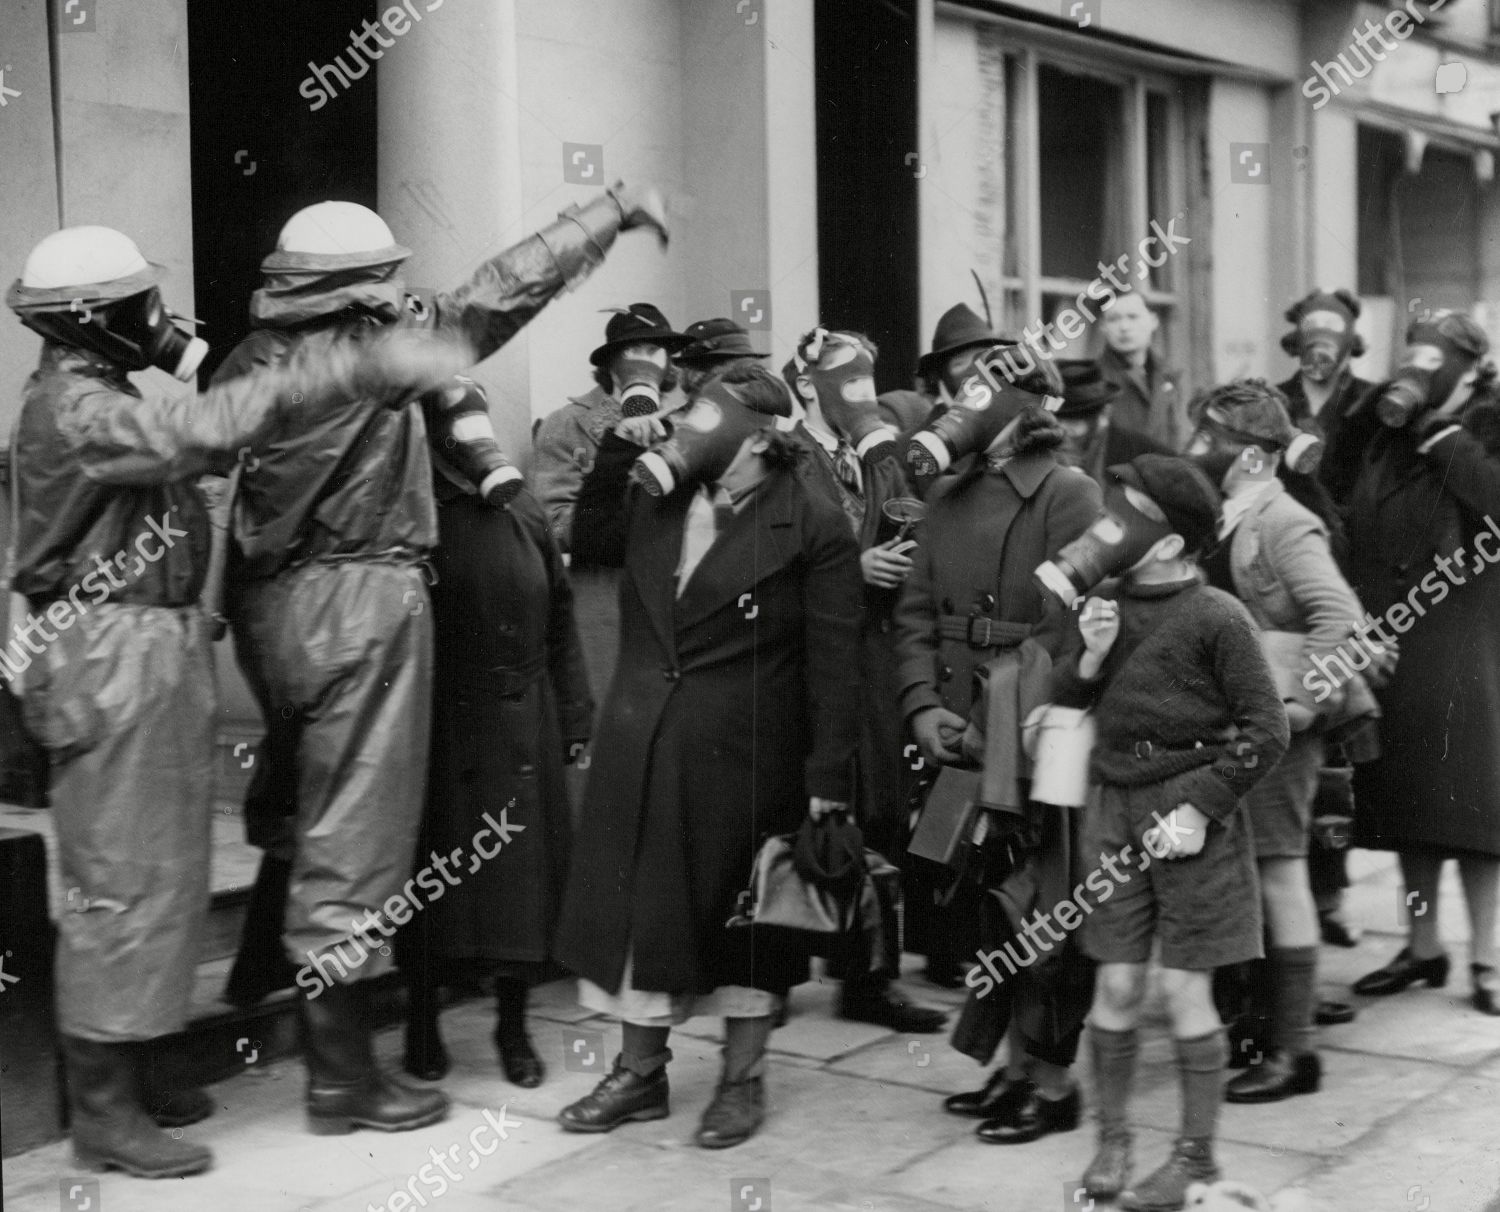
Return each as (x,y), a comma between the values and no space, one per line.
(345,1087)
(111,1129)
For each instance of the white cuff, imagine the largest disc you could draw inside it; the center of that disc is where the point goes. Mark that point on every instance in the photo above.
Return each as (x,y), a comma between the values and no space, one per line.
(877,438)
(497,477)
(1424,447)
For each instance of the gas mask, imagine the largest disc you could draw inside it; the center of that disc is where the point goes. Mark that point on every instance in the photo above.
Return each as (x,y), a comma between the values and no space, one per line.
(1218,444)
(706,438)
(638,372)
(1439,352)
(841,370)
(1325,338)
(981,412)
(133,333)
(462,440)
(1131,525)
(958,368)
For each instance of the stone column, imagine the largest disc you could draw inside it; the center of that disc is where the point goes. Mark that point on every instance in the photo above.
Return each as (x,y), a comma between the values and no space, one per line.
(450,163)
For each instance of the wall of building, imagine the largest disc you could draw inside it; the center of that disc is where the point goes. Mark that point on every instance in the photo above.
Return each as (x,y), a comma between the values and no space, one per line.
(28,184)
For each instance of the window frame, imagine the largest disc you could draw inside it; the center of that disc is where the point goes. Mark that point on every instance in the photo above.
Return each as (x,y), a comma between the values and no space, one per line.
(1027,287)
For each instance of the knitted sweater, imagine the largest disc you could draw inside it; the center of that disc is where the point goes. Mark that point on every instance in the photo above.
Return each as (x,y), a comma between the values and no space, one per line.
(1184,691)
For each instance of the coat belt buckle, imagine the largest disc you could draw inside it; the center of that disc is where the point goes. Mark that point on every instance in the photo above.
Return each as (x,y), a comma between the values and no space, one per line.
(989,626)
(1143,749)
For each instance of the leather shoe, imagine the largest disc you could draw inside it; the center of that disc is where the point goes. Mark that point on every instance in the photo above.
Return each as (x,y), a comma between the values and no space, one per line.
(1000,1097)
(1402,971)
(1334,1014)
(1035,1118)
(1278,1076)
(735,1114)
(1486,988)
(621,1097)
(887,1008)
(1165,1188)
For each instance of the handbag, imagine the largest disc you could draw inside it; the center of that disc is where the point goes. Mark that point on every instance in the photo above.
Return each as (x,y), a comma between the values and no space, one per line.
(802,915)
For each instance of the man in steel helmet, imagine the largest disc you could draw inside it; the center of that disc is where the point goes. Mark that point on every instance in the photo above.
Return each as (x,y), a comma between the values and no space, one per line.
(111,535)
(331,616)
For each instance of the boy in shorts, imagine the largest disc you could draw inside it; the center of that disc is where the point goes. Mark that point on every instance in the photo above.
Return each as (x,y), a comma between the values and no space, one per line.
(1188,719)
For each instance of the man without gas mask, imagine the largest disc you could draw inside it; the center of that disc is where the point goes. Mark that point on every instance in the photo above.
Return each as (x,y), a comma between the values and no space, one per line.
(727,720)
(1151,395)
(852,458)
(111,547)
(968,605)
(1325,389)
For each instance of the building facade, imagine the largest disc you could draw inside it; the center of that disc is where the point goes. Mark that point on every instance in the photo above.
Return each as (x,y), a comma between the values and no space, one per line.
(862,161)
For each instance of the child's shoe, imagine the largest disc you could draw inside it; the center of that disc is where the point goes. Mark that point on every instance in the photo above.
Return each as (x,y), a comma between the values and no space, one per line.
(1110,1170)
(1165,1189)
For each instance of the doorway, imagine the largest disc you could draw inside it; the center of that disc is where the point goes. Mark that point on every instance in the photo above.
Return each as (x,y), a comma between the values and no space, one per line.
(260,152)
(866,72)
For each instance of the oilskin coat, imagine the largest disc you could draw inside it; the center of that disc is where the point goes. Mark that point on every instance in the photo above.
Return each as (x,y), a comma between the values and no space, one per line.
(730,707)
(330,608)
(510,696)
(1433,785)
(111,542)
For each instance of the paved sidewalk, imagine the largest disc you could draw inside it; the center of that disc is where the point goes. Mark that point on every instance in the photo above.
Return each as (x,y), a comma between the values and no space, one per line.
(1409,1118)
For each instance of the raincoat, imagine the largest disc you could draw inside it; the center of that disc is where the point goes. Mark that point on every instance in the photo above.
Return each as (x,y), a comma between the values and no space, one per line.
(329,603)
(111,540)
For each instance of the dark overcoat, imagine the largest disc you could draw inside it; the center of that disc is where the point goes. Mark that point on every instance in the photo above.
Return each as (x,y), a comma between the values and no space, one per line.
(883,782)
(510,695)
(1435,783)
(729,709)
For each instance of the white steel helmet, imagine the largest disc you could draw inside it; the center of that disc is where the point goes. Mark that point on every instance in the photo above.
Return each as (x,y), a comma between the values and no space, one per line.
(89,264)
(334,235)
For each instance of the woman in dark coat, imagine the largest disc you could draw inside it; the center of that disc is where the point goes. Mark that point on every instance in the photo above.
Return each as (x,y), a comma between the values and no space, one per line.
(1422,525)
(732,715)
(511,707)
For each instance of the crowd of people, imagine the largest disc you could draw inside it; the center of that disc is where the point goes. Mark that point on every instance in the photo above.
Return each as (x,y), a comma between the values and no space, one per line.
(803,606)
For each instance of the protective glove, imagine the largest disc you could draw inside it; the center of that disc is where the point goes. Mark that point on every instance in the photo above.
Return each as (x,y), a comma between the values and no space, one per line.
(641,207)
